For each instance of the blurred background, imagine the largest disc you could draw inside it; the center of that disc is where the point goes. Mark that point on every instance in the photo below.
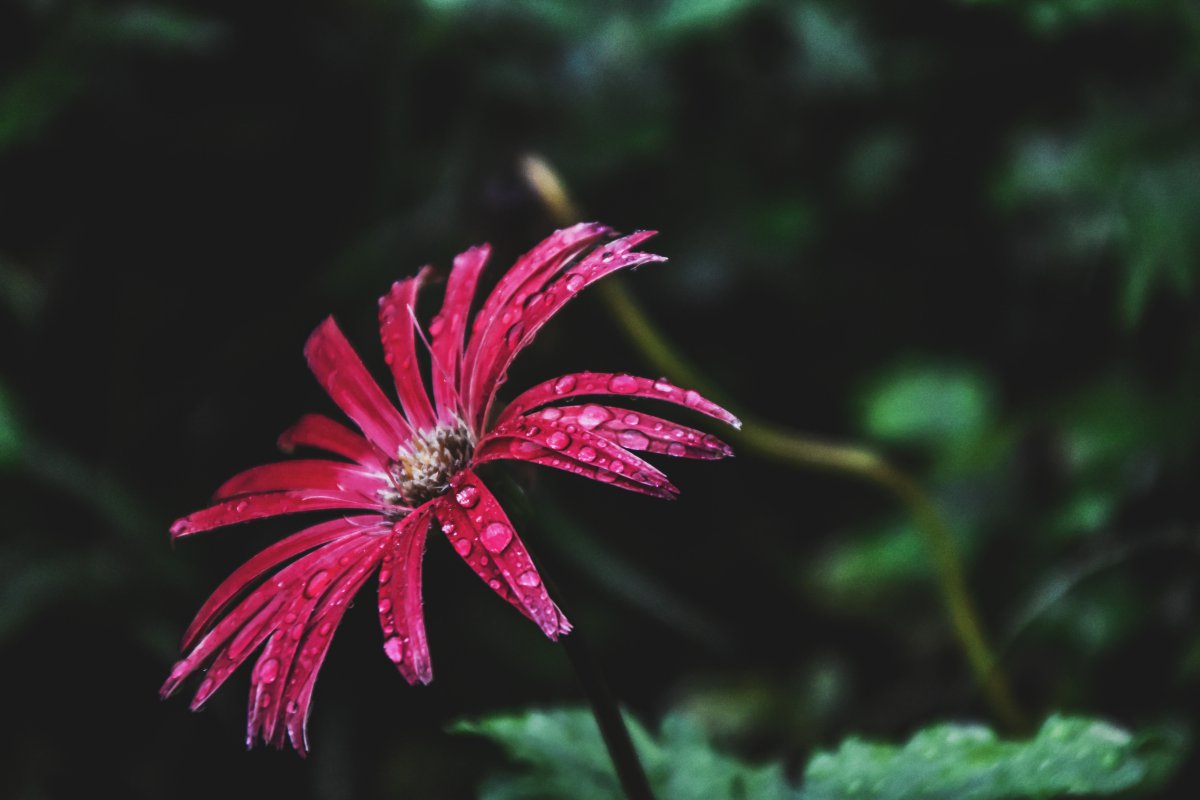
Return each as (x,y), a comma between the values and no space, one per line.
(962,234)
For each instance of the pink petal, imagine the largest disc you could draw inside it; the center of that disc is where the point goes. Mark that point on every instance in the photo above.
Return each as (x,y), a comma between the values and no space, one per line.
(448,329)
(400,612)
(505,304)
(397,330)
(574,449)
(519,324)
(342,374)
(635,430)
(302,475)
(252,620)
(274,555)
(314,430)
(482,535)
(260,506)
(608,383)
(297,695)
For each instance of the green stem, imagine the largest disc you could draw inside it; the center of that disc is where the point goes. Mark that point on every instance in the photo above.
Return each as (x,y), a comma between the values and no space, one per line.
(796,449)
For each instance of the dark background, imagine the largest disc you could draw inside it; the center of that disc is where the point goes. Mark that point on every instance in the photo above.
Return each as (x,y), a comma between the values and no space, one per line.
(964,233)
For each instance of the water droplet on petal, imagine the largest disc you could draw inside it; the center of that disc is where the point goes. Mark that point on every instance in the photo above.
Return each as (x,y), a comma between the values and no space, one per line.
(325,629)
(523,448)
(606,256)
(292,708)
(496,536)
(593,415)
(617,466)
(385,575)
(467,497)
(264,701)
(605,477)
(564,384)
(692,398)
(393,648)
(316,583)
(495,584)
(179,670)
(514,334)
(663,385)
(551,414)
(268,670)
(557,440)
(241,506)
(385,605)
(676,449)
(623,384)
(296,631)
(533,300)
(631,419)
(529,578)
(633,440)
(463,547)
(575,282)
(586,454)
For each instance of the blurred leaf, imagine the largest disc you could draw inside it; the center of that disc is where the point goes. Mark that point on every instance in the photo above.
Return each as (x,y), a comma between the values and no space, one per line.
(158,27)
(1053,16)
(567,758)
(858,570)
(10,435)
(1069,755)
(34,96)
(834,54)
(930,405)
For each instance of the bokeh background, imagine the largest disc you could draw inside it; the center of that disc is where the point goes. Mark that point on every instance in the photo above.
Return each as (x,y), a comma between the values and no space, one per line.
(962,234)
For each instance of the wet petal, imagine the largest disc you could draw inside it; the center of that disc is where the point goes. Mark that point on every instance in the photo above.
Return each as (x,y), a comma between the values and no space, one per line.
(400,612)
(576,384)
(273,556)
(636,430)
(482,535)
(574,449)
(397,329)
(261,506)
(518,288)
(296,699)
(342,374)
(315,430)
(304,475)
(448,331)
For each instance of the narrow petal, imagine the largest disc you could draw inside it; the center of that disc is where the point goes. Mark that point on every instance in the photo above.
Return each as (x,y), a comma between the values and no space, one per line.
(400,612)
(635,430)
(252,620)
(297,695)
(273,556)
(504,306)
(342,374)
(576,384)
(261,506)
(448,331)
(482,535)
(314,430)
(275,682)
(498,351)
(397,329)
(305,475)
(576,450)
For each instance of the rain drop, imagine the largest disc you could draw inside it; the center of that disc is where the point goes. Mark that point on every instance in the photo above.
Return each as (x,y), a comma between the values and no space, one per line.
(385,605)
(316,583)
(564,384)
(393,648)
(467,496)
(634,440)
(268,670)
(496,536)
(436,326)
(676,449)
(593,415)
(551,414)
(663,385)
(631,419)
(514,334)
(607,256)
(463,547)
(586,454)
(264,701)
(325,629)
(575,282)
(529,579)
(558,440)
(623,384)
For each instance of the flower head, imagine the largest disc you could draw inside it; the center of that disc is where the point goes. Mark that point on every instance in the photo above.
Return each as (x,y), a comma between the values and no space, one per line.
(408,467)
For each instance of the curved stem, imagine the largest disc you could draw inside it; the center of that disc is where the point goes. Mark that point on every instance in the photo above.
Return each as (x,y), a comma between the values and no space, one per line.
(781,444)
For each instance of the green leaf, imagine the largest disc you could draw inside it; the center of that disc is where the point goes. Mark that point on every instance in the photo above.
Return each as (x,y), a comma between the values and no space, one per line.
(10,435)
(933,405)
(1069,755)
(567,758)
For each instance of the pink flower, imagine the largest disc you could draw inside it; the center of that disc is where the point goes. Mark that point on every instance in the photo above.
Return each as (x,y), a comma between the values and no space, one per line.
(408,468)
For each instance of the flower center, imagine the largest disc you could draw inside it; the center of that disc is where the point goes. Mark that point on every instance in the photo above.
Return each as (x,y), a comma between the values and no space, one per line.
(423,470)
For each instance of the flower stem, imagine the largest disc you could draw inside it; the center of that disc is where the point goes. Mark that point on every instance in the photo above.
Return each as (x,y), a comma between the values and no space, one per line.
(608,718)
(793,448)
